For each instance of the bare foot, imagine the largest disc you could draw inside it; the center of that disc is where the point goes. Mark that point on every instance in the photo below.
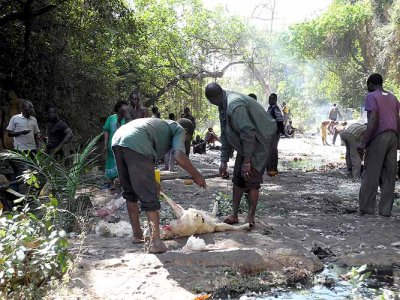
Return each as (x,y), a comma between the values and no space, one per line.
(251,222)
(231,220)
(137,239)
(158,247)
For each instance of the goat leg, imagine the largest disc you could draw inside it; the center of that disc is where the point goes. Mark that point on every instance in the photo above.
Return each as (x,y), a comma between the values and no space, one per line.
(178,210)
(215,209)
(228,227)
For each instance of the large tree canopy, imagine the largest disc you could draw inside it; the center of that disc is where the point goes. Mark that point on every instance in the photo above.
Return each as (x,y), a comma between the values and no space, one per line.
(85,55)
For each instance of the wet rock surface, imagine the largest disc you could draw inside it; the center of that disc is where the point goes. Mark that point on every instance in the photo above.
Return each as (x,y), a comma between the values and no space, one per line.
(307,216)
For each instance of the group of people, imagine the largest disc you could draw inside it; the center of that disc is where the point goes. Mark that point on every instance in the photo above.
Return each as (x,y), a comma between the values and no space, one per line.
(27,136)
(137,143)
(375,142)
(28,139)
(134,143)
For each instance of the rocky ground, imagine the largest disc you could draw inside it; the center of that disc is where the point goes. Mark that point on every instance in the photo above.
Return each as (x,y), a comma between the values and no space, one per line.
(307,218)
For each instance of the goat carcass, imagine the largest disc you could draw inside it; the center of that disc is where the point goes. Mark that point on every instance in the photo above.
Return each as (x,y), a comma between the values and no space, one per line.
(193,221)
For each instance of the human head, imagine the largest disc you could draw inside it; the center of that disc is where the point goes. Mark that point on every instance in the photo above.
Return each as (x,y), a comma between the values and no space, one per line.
(154,110)
(186,111)
(198,138)
(188,126)
(52,113)
(253,96)
(283,103)
(290,122)
(214,93)
(334,105)
(118,105)
(210,129)
(374,82)
(272,99)
(171,116)
(27,108)
(134,98)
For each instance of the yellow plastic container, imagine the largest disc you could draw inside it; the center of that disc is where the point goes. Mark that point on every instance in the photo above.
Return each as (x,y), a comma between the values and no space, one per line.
(157,176)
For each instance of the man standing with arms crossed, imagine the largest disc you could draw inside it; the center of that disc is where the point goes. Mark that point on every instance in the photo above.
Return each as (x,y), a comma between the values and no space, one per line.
(247,128)
(380,142)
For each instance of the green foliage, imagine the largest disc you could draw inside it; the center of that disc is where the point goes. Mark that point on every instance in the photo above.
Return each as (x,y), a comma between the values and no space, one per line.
(83,56)
(63,179)
(33,251)
(357,277)
(225,205)
(66,57)
(239,282)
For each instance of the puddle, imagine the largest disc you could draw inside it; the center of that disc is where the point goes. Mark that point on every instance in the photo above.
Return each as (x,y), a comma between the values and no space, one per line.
(329,285)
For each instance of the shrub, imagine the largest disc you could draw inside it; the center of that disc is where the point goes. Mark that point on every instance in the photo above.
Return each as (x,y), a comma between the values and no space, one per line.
(33,251)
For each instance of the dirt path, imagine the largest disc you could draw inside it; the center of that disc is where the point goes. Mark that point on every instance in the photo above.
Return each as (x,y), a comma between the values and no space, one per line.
(301,211)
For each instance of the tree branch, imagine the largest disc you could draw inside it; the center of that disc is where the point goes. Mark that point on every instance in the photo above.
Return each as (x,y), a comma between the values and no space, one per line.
(201,74)
(20,15)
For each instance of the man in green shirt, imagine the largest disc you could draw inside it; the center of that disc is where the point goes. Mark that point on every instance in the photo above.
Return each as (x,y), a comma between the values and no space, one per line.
(247,128)
(137,146)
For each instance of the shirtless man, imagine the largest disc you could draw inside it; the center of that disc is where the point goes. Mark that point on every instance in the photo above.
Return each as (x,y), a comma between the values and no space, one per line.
(133,110)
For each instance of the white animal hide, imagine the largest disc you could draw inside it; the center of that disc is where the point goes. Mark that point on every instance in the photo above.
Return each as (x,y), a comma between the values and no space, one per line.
(119,229)
(193,221)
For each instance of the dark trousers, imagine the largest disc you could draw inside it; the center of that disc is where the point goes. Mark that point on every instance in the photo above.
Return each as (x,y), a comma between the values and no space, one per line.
(380,168)
(136,175)
(272,161)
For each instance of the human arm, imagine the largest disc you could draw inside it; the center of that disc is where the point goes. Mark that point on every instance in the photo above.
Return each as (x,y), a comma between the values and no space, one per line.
(279,120)
(185,163)
(67,138)
(243,125)
(37,140)
(11,129)
(121,115)
(226,148)
(106,137)
(373,119)
(36,134)
(398,131)
(14,133)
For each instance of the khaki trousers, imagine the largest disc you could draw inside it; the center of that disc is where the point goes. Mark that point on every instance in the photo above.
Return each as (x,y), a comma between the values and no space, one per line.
(353,159)
(380,168)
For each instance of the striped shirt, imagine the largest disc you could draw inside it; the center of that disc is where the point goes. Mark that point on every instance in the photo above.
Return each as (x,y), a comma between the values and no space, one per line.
(357,130)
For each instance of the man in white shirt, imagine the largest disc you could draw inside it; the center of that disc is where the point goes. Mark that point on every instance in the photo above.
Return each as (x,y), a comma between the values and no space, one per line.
(24,129)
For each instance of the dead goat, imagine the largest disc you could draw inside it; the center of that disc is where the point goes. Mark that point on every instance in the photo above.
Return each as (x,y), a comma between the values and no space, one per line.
(193,221)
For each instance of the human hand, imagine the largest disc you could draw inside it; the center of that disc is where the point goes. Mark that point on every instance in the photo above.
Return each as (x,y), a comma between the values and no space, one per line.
(200,181)
(246,171)
(361,146)
(222,170)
